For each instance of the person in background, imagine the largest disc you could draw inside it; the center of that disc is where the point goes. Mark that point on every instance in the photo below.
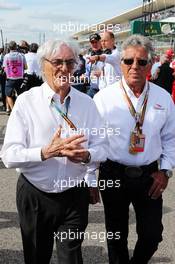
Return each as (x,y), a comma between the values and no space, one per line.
(155,65)
(170,53)
(164,74)
(93,68)
(111,71)
(95,44)
(14,64)
(32,75)
(23,46)
(79,80)
(2,79)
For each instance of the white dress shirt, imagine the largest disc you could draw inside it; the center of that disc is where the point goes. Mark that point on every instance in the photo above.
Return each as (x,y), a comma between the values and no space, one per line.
(111,71)
(158,126)
(32,125)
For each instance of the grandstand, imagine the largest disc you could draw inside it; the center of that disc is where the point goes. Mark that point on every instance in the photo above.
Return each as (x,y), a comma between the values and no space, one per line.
(121,25)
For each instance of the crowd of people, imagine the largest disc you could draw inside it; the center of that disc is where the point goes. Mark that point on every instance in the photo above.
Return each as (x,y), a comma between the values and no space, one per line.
(97,68)
(57,137)
(101,66)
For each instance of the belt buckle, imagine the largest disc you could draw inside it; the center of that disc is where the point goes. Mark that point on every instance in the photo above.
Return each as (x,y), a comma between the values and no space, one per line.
(133,171)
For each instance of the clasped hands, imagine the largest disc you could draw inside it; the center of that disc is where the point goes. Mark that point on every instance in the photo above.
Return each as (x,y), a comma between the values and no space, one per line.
(70,147)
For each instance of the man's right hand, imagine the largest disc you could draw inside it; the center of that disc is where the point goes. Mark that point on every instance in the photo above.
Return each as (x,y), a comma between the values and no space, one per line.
(64,147)
(94,196)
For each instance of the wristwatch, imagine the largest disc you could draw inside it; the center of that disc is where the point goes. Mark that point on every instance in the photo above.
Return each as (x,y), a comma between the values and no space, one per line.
(87,160)
(168,173)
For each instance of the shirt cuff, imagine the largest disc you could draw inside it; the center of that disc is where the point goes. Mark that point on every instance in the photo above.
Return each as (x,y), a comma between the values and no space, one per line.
(34,154)
(165,165)
(97,157)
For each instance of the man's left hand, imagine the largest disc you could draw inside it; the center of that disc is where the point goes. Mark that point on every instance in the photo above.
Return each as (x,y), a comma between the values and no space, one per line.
(159,184)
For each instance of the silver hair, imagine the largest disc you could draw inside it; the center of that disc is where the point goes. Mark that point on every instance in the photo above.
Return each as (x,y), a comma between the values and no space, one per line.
(138,40)
(49,48)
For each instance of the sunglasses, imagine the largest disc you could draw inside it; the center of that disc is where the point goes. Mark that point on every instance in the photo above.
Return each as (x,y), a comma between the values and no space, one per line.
(141,62)
(59,62)
(93,41)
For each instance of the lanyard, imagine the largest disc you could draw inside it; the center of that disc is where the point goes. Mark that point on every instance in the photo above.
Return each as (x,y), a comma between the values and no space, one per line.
(138,116)
(62,114)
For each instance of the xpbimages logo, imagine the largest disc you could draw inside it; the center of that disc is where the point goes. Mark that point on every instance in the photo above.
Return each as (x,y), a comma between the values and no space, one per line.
(76,27)
(99,236)
(101,184)
(101,132)
(93,79)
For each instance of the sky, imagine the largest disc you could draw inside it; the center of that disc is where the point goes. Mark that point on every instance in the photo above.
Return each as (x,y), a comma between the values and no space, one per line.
(37,21)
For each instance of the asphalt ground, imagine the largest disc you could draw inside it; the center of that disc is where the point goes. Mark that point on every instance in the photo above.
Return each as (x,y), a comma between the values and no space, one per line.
(94,246)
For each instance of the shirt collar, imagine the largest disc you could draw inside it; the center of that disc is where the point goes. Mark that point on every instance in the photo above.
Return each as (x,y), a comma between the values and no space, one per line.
(130,92)
(50,94)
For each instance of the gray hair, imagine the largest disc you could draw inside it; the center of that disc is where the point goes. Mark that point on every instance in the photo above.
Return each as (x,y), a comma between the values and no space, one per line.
(50,47)
(138,40)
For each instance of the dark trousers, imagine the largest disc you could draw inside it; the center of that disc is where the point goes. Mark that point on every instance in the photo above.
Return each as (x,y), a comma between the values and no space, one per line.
(44,217)
(13,85)
(148,212)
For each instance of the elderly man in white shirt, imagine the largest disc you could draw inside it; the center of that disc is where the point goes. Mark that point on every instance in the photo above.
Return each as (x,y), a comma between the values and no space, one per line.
(50,138)
(144,113)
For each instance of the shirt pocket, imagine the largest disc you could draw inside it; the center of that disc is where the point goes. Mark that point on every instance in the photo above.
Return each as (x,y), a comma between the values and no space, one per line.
(156,120)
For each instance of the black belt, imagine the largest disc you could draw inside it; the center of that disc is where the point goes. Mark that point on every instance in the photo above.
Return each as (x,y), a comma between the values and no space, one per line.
(133,171)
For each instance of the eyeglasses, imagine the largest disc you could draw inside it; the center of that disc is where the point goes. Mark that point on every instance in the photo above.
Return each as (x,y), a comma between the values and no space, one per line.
(141,62)
(59,63)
